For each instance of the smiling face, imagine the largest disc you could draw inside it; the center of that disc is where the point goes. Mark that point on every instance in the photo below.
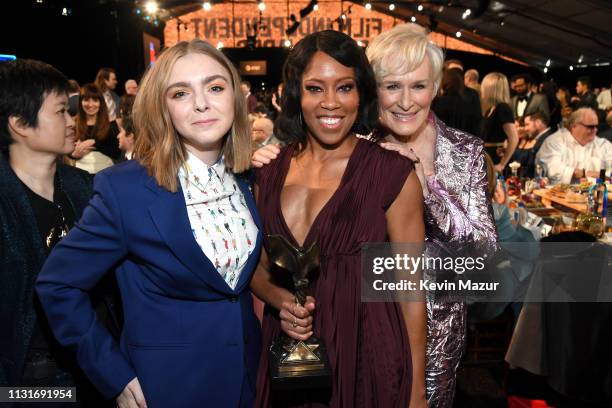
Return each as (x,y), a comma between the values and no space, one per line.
(330,100)
(200,101)
(405,100)
(91,106)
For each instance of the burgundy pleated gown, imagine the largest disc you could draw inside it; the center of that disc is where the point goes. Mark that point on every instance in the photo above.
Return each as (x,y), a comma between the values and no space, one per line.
(367,343)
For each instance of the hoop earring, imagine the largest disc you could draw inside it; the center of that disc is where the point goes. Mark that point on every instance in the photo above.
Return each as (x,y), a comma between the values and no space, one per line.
(301,121)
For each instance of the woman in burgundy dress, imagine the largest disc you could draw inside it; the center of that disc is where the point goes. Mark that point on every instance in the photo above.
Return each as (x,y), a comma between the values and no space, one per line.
(344,191)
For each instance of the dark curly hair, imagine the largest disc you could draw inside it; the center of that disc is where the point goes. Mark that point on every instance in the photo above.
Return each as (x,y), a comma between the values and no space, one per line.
(289,126)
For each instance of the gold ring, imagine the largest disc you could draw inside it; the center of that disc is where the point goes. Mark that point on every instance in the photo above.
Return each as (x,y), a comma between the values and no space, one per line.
(294,324)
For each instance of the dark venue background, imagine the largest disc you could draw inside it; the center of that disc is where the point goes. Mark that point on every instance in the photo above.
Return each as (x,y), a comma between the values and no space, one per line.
(98,33)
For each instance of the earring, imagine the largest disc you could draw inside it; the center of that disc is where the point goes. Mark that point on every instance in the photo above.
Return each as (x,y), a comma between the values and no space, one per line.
(301,121)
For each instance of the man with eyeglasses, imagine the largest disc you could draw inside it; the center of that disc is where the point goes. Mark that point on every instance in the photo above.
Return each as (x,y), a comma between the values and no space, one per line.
(576,152)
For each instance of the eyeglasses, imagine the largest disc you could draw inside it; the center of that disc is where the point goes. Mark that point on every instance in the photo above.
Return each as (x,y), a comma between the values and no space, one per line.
(590,127)
(59,230)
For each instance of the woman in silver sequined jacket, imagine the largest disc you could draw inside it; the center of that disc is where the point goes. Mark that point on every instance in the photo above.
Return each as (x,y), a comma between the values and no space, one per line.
(451,167)
(452,171)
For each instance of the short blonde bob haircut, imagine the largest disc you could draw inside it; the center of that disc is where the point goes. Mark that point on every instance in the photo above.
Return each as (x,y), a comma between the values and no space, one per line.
(401,50)
(159,147)
(493,90)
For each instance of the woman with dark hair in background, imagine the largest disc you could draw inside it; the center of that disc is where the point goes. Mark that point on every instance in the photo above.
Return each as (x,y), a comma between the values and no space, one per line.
(331,186)
(450,105)
(96,147)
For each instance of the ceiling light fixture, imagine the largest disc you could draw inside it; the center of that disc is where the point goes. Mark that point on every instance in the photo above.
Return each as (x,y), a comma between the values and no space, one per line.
(151,7)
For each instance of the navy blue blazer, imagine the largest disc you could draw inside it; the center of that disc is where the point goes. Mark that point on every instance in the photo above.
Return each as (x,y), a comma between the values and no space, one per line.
(189,338)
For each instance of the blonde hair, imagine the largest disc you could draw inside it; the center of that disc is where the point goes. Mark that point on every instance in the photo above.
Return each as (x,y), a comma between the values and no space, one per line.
(578,115)
(158,146)
(402,50)
(494,89)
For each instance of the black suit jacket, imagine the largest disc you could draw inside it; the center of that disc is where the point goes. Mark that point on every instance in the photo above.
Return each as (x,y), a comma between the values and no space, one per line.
(535,103)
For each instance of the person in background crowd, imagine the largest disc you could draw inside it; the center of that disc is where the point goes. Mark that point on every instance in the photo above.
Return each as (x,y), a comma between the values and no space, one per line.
(178,228)
(536,132)
(131,87)
(451,107)
(549,89)
(525,101)
(106,81)
(512,85)
(125,107)
(277,97)
(576,152)
(607,134)
(604,99)
(97,146)
(564,97)
(262,133)
(73,97)
(126,138)
(471,79)
(585,97)
(251,100)
(498,127)
(471,97)
(40,200)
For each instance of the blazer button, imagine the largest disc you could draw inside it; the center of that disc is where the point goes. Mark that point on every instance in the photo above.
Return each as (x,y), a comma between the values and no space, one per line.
(233,299)
(246,339)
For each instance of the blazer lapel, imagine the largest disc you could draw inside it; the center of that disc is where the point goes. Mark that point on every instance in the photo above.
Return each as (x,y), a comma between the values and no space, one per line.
(169,214)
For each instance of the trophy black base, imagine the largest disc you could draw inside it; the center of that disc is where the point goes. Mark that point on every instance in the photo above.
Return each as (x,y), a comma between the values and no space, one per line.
(298,374)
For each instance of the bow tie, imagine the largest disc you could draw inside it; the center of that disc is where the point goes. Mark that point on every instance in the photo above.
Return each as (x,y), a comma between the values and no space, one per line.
(522,98)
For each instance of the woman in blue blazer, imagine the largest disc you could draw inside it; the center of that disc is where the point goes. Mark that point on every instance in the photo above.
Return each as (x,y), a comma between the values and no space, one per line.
(178,227)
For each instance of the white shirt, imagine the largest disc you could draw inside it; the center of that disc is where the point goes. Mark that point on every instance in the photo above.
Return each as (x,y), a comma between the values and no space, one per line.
(110,105)
(562,154)
(219,216)
(604,99)
(522,104)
